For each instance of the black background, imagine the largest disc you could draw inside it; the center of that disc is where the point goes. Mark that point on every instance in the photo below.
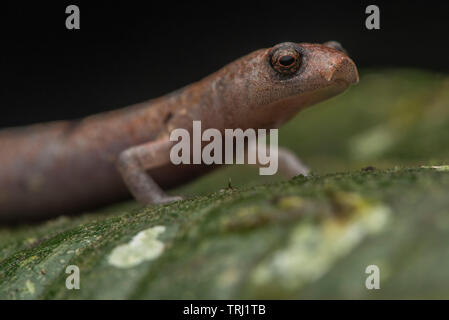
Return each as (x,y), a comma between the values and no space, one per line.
(130,51)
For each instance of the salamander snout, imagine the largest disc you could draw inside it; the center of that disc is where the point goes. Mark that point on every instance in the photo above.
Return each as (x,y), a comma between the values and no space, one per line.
(327,65)
(343,70)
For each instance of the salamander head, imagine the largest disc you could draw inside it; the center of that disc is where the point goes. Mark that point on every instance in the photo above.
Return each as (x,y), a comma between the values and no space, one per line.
(280,81)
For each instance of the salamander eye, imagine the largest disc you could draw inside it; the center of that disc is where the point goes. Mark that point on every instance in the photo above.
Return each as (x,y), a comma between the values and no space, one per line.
(286,61)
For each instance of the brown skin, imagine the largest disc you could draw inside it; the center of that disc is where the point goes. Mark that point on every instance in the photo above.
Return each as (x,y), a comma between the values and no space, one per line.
(64,166)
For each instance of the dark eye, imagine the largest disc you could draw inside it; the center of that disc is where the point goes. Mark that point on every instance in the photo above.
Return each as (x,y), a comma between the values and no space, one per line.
(286,61)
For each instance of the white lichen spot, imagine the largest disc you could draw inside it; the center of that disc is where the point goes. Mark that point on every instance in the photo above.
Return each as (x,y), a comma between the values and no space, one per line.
(312,249)
(373,142)
(30,287)
(144,246)
(437,168)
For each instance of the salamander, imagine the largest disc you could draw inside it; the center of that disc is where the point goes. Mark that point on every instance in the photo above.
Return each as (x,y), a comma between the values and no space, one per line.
(66,166)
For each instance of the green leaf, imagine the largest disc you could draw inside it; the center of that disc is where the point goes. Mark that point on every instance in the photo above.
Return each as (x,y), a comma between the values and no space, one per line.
(305,238)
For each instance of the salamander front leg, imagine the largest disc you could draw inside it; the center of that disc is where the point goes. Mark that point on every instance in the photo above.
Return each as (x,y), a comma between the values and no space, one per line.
(133,164)
(290,165)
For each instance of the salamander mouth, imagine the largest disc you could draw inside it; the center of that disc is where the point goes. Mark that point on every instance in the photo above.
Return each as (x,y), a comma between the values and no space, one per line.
(304,99)
(341,83)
